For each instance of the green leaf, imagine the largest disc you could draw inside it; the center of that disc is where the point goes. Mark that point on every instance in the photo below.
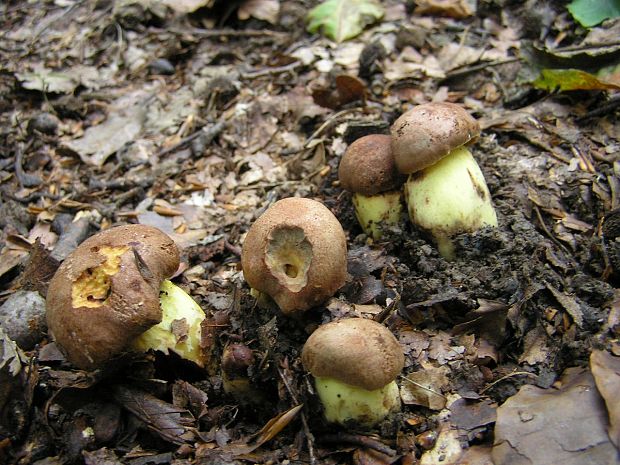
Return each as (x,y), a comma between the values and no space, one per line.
(340,20)
(592,12)
(570,79)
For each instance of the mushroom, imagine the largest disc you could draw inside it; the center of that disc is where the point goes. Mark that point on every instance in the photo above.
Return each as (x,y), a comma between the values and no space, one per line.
(355,363)
(446,192)
(367,169)
(107,293)
(296,253)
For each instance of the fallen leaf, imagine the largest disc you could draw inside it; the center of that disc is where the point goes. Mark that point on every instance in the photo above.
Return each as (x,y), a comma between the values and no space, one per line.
(266,10)
(267,432)
(425,387)
(340,20)
(452,8)
(172,424)
(592,12)
(606,371)
(570,79)
(554,426)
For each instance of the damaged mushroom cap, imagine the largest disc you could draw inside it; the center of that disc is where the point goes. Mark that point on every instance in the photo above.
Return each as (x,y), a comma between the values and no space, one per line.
(106,293)
(367,167)
(295,252)
(355,351)
(425,134)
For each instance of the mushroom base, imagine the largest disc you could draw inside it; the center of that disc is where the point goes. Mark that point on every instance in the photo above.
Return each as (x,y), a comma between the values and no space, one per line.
(450,197)
(376,212)
(180,328)
(343,403)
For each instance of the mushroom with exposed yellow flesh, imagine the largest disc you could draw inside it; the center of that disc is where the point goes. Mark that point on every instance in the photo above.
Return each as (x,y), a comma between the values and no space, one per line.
(446,192)
(106,294)
(355,363)
(296,253)
(367,169)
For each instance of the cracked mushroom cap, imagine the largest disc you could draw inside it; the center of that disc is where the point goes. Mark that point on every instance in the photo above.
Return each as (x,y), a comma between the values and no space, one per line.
(295,252)
(367,167)
(355,351)
(425,134)
(106,293)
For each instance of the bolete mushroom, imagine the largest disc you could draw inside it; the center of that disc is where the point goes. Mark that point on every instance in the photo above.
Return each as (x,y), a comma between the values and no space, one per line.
(446,192)
(107,293)
(355,363)
(367,169)
(296,253)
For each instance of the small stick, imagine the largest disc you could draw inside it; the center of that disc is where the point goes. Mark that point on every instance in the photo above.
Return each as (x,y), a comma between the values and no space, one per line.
(359,440)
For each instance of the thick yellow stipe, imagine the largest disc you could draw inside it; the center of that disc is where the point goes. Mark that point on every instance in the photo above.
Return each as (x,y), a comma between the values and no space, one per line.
(376,212)
(344,403)
(92,288)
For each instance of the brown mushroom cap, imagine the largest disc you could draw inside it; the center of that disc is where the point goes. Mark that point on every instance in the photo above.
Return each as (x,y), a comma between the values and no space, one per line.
(106,293)
(355,351)
(295,252)
(368,167)
(425,134)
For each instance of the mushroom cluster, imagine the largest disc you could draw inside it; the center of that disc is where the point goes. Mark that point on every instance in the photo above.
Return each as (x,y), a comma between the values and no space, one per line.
(111,289)
(446,193)
(296,253)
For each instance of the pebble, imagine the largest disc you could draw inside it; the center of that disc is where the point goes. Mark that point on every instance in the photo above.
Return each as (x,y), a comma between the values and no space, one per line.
(23,318)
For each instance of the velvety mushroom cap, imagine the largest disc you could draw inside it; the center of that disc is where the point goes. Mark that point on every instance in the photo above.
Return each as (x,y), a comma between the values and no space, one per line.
(295,252)
(106,293)
(368,167)
(425,134)
(355,351)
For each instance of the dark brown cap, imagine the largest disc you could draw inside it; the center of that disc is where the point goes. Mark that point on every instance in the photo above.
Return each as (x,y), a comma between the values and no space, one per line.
(368,167)
(355,351)
(425,134)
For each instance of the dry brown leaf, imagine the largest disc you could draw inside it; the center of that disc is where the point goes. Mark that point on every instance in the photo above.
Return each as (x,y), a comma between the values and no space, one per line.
(554,426)
(267,10)
(452,8)
(425,387)
(606,371)
(268,432)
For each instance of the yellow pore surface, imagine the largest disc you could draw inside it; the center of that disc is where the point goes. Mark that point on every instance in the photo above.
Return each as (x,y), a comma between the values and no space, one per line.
(92,287)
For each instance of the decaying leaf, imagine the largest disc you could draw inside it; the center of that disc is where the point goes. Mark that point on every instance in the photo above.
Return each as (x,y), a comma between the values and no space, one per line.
(425,387)
(267,10)
(447,450)
(343,19)
(606,371)
(554,426)
(571,79)
(452,8)
(268,432)
(124,123)
(172,424)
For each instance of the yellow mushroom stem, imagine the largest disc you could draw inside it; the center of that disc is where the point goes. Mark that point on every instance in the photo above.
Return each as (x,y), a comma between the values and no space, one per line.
(180,329)
(344,403)
(450,197)
(377,212)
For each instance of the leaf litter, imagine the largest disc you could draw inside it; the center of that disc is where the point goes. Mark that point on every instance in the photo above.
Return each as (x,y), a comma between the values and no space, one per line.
(195,116)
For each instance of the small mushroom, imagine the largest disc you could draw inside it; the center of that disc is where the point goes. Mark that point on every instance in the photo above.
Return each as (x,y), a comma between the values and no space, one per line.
(106,293)
(355,363)
(367,169)
(446,192)
(296,253)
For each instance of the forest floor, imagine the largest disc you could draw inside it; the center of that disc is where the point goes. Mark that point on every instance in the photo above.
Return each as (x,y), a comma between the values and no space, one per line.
(196,122)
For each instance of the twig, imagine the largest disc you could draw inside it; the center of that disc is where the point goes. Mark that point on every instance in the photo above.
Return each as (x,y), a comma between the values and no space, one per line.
(224,32)
(274,70)
(509,375)
(208,133)
(463,71)
(359,440)
(304,420)
(424,387)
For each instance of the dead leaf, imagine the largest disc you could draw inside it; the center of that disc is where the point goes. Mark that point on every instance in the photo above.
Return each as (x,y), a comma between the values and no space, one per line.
(568,303)
(266,10)
(554,426)
(425,387)
(472,417)
(125,119)
(172,424)
(606,371)
(447,450)
(268,432)
(452,8)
